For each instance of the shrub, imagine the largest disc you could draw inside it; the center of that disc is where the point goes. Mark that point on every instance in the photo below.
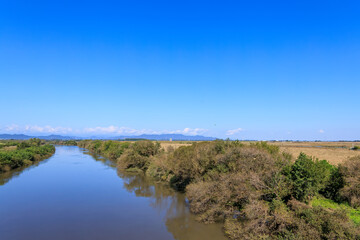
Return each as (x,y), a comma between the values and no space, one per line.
(131,159)
(335,184)
(325,223)
(235,177)
(138,155)
(351,172)
(308,177)
(146,148)
(26,153)
(354,214)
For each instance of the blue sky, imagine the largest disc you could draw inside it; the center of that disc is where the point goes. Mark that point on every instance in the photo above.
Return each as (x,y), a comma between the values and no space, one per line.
(238,69)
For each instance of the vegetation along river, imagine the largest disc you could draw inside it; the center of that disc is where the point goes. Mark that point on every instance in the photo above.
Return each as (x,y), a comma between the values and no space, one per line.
(76,195)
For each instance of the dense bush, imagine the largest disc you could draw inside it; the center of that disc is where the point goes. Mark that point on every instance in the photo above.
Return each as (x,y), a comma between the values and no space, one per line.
(335,183)
(308,177)
(351,172)
(295,220)
(127,155)
(110,149)
(138,155)
(25,153)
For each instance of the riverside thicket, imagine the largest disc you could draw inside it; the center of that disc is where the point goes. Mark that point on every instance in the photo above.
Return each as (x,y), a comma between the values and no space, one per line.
(15,154)
(257,191)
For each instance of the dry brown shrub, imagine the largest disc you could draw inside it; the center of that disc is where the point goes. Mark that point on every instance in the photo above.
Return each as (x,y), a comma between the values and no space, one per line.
(131,159)
(170,149)
(159,167)
(351,172)
(256,220)
(37,157)
(27,162)
(296,205)
(214,200)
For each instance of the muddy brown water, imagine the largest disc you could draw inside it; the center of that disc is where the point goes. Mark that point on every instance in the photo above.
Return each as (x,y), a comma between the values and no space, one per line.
(76,195)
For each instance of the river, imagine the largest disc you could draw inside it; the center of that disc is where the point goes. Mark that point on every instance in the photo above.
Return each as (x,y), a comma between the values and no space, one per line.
(76,195)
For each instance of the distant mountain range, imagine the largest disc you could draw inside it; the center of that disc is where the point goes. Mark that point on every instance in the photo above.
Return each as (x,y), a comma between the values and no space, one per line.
(159,137)
(25,137)
(174,137)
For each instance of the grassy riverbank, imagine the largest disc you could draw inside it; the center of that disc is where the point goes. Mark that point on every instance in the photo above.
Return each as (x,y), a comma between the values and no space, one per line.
(16,154)
(256,190)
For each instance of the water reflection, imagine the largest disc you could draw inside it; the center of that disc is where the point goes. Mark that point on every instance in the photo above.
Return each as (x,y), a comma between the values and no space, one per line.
(178,219)
(5,177)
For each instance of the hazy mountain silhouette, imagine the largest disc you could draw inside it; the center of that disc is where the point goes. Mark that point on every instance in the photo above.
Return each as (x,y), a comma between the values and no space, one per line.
(163,137)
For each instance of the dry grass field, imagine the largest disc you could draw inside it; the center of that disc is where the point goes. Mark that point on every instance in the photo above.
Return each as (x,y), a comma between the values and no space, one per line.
(334,152)
(176,144)
(8,148)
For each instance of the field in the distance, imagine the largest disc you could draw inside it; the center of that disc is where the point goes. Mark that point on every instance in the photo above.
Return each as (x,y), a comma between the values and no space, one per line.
(334,152)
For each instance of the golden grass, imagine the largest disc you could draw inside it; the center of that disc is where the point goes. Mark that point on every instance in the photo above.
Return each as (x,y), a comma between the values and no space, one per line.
(175,144)
(333,155)
(334,152)
(9,148)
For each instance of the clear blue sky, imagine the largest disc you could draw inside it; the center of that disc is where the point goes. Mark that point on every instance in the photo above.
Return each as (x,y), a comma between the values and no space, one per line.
(238,69)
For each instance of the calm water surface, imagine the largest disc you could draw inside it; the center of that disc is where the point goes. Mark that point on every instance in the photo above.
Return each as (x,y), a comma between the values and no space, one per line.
(74,195)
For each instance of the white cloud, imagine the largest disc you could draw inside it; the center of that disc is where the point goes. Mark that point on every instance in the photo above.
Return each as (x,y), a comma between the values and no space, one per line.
(321,131)
(125,130)
(36,129)
(47,129)
(189,131)
(234,131)
(12,127)
(109,130)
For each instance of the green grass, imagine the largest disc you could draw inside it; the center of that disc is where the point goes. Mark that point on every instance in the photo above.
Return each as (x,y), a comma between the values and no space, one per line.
(354,214)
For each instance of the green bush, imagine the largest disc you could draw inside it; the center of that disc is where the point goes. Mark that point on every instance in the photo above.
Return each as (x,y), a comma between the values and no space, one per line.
(308,177)
(335,183)
(132,159)
(26,153)
(110,149)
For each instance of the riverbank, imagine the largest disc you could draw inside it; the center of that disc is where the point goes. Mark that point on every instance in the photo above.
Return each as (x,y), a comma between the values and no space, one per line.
(19,154)
(253,189)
